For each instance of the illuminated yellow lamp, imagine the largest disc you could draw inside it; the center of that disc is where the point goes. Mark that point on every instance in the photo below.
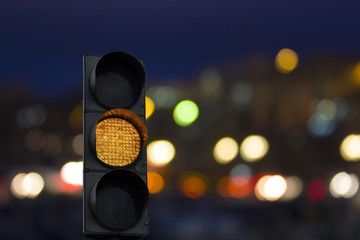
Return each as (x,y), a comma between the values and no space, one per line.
(225,150)
(71,173)
(253,148)
(33,184)
(286,60)
(149,107)
(193,184)
(294,188)
(160,153)
(344,185)
(156,182)
(120,137)
(185,113)
(16,187)
(350,148)
(356,74)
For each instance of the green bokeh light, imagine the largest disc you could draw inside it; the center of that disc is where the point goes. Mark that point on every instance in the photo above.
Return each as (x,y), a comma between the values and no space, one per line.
(185,113)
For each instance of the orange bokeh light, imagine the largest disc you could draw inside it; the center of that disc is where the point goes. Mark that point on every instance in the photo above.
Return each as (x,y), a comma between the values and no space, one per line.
(193,186)
(156,182)
(237,187)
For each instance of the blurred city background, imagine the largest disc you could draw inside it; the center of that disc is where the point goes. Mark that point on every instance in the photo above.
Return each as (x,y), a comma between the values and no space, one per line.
(252,111)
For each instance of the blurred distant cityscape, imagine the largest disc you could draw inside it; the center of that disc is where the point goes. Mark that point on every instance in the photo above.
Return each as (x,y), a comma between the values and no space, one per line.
(263,149)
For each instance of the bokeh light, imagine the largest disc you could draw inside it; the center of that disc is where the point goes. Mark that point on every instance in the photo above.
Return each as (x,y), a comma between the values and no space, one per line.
(225,150)
(58,185)
(327,108)
(222,187)
(150,107)
(350,147)
(75,117)
(239,187)
(317,189)
(156,182)
(253,148)
(51,144)
(344,185)
(193,184)
(33,184)
(241,94)
(323,121)
(241,170)
(77,144)
(34,139)
(163,96)
(72,173)
(27,185)
(355,74)
(270,187)
(286,60)
(320,126)
(16,187)
(160,153)
(210,83)
(185,113)
(31,116)
(294,188)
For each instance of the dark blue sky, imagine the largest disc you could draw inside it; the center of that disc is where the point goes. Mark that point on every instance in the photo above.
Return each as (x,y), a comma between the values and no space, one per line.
(42,42)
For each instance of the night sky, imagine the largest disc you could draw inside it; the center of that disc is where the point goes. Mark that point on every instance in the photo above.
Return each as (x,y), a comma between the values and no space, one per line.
(42,42)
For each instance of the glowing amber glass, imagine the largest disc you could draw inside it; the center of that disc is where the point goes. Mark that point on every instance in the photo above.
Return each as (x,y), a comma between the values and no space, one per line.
(118,142)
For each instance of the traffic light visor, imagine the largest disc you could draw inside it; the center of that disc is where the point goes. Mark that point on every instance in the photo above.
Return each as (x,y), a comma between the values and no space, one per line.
(120,136)
(117,79)
(118,199)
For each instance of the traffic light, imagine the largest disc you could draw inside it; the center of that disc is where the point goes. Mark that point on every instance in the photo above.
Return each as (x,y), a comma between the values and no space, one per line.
(115,192)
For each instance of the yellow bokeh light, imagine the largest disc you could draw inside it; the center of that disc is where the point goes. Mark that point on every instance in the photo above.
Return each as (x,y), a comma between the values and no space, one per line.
(149,107)
(160,153)
(286,60)
(156,182)
(356,74)
(350,148)
(253,148)
(225,150)
(75,117)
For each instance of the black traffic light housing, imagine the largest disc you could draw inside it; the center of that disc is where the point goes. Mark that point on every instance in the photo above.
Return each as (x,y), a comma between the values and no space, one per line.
(115,189)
